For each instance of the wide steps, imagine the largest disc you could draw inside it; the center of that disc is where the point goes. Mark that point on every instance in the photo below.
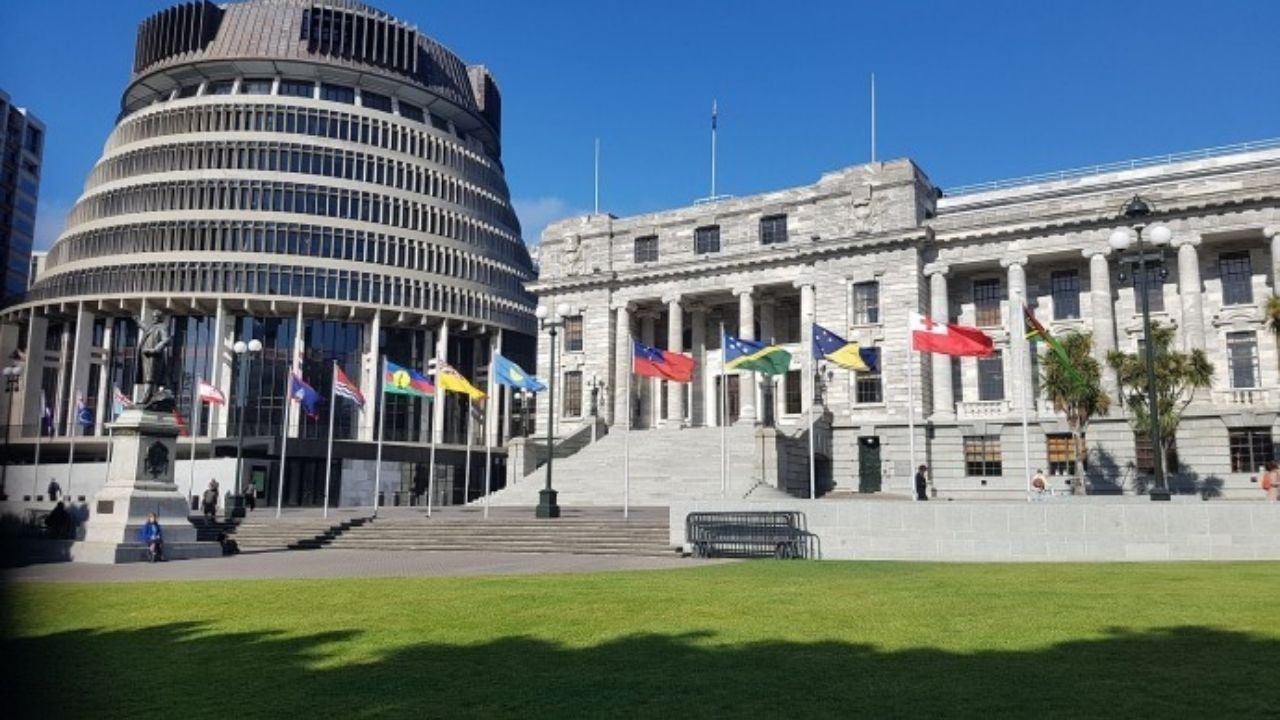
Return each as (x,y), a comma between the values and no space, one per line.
(566,535)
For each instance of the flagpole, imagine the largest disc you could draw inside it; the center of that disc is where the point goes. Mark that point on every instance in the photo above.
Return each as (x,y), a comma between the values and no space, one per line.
(488,446)
(626,437)
(71,451)
(911,415)
(328,465)
(466,470)
(431,466)
(284,442)
(724,413)
(382,430)
(195,424)
(813,472)
(35,470)
(1023,380)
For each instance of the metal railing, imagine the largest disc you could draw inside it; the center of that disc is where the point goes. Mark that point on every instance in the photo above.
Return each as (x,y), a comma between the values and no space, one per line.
(781,534)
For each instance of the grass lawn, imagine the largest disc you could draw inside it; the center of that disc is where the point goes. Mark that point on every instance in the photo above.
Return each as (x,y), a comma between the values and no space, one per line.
(760,639)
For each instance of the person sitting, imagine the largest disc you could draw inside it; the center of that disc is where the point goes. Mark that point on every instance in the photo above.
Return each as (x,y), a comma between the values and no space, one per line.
(58,522)
(153,538)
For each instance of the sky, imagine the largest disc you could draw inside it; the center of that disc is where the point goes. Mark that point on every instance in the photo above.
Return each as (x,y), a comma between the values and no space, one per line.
(972,91)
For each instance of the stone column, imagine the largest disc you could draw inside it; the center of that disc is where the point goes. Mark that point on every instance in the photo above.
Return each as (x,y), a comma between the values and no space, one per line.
(1272,233)
(1018,363)
(66,361)
(698,399)
(944,402)
(371,379)
(675,342)
(621,382)
(493,403)
(223,338)
(32,374)
(766,385)
(106,397)
(1189,292)
(437,405)
(1102,307)
(746,331)
(808,315)
(647,388)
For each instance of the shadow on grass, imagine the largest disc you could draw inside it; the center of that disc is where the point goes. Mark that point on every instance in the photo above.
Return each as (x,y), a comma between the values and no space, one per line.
(188,670)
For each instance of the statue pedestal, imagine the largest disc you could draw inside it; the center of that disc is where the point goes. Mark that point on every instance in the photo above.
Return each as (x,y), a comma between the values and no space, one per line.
(140,481)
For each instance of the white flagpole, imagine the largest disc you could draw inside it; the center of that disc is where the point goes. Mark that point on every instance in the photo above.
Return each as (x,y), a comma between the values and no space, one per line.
(382,430)
(597,178)
(195,432)
(284,439)
(724,413)
(813,472)
(626,437)
(328,465)
(713,149)
(466,470)
(71,452)
(873,126)
(35,470)
(1023,381)
(488,444)
(911,414)
(431,466)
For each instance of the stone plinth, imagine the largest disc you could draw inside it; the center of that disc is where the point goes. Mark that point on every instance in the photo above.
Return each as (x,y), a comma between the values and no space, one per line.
(140,481)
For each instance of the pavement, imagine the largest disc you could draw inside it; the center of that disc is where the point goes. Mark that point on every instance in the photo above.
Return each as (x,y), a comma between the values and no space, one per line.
(329,563)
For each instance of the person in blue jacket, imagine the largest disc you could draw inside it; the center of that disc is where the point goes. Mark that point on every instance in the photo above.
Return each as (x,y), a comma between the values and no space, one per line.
(153,538)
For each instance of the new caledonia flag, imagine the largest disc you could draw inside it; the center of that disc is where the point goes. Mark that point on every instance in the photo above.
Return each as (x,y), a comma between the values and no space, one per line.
(397,380)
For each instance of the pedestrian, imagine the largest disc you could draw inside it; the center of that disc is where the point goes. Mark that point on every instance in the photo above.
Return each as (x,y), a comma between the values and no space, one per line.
(153,538)
(210,501)
(922,483)
(58,522)
(54,490)
(1271,481)
(251,496)
(1039,484)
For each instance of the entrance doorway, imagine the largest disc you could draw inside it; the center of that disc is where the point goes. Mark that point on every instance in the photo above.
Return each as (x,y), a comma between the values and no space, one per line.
(732,392)
(869,464)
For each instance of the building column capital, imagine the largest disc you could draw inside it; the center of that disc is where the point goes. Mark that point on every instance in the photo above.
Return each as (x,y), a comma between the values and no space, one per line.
(1013,261)
(802,284)
(936,268)
(670,298)
(1180,241)
(1271,231)
(741,290)
(1090,253)
(627,305)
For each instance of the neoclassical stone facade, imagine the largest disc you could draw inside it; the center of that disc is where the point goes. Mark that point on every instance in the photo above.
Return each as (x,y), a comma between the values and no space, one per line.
(864,246)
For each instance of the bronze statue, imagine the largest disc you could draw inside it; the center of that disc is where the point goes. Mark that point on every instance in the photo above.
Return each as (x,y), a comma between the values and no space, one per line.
(151,374)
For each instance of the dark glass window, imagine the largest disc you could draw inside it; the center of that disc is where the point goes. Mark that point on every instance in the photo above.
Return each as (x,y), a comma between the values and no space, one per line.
(866,303)
(867,386)
(1242,359)
(986,302)
(257,86)
(337,93)
(1236,272)
(1152,284)
(991,377)
(706,239)
(1144,459)
(188,91)
(221,87)
(1251,449)
(375,101)
(1065,285)
(773,229)
(297,88)
(573,393)
(794,400)
(413,112)
(1061,454)
(982,456)
(573,334)
(646,249)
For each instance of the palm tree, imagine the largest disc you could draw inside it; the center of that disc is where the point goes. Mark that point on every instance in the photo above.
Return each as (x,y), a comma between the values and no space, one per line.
(1272,312)
(1079,396)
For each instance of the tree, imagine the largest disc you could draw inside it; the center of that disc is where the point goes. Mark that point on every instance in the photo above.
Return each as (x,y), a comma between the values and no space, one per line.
(1178,376)
(1272,312)
(1080,396)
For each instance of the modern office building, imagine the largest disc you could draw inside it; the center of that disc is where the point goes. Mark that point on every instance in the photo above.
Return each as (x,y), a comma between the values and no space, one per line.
(318,176)
(21,155)
(859,250)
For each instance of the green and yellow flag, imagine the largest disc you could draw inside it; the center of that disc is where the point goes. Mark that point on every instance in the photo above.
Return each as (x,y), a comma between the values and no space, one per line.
(1036,331)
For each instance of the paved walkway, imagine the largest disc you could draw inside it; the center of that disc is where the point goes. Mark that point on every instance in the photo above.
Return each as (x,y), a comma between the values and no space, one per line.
(343,563)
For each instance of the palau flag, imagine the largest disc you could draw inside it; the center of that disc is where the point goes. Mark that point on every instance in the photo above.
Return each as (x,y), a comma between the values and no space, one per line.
(397,380)
(512,375)
(751,355)
(835,349)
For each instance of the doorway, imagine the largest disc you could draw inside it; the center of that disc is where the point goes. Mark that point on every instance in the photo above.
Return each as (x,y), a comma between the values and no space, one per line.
(732,392)
(869,464)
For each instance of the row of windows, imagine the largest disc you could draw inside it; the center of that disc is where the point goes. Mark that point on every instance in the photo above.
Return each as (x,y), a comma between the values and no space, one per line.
(706,239)
(259,196)
(288,280)
(307,89)
(306,159)
(287,239)
(224,118)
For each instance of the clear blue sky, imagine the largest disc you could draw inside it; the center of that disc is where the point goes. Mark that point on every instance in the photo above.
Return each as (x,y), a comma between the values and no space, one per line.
(971,90)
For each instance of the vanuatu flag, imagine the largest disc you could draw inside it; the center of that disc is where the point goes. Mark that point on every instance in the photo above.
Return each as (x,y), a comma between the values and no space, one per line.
(1036,331)
(833,348)
(751,355)
(398,380)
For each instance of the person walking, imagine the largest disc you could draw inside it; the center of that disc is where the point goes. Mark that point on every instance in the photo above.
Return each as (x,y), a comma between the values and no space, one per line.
(153,538)
(1271,481)
(251,496)
(54,490)
(922,483)
(210,501)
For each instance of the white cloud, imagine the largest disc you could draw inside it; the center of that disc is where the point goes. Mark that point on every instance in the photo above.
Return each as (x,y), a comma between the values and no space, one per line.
(536,213)
(51,216)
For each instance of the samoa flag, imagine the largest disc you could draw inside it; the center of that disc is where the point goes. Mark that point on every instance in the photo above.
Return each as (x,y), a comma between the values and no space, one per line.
(664,364)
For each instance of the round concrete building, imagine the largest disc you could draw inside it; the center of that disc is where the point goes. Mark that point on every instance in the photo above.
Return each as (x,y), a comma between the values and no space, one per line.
(318,176)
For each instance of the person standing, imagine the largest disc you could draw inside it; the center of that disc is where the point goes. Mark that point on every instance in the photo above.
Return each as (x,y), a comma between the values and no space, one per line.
(251,496)
(1271,481)
(54,490)
(922,483)
(153,538)
(210,500)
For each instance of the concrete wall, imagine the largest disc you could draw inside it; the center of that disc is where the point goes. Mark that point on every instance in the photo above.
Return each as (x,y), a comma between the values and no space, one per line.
(89,477)
(1060,530)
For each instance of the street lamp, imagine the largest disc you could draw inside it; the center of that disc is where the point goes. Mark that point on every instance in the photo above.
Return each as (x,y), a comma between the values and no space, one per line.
(12,378)
(596,385)
(1136,211)
(547,507)
(244,351)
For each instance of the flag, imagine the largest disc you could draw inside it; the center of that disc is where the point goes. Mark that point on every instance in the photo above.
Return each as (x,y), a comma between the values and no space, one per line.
(343,387)
(829,346)
(119,401)
(662,364)
(210,394)
(948,339)
(306,395)
(1036,331)
(182,424)
(512,375)
(84,415)
(398,380)
(452,381)
(751,355)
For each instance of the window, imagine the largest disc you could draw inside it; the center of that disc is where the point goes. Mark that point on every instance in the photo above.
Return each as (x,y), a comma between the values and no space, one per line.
(221,87)
(794,399)
(646,249)
(706,240)
(1150,282)
(866,385)
(260,86)
(1065,286)
(297,88)
(1236,272)
(1144,459)
(986,302)
(991,376)
(188,91)
(337,93)
(866,303)
(773,229)
(573,393)
(1061,453)
(1251,448)
(413,112)
(573,334)
(375,101)
(1242,359)
(982,456)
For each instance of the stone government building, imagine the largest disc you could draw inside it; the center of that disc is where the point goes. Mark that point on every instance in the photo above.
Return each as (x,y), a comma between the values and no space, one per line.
(863,246)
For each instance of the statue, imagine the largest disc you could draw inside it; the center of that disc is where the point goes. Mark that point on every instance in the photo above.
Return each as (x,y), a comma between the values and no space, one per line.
(571,255)
(152,366)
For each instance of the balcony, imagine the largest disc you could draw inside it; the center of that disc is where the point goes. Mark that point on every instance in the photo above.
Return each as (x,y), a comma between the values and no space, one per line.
(983,409)
(1246,397)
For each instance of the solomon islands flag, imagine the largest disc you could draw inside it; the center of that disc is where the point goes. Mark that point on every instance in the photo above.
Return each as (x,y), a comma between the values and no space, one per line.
(751,355)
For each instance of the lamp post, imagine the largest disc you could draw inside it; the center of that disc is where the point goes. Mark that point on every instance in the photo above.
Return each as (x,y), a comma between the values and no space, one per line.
(244,351)
(596,385)
(1136,211)
(12,378)
(547,507)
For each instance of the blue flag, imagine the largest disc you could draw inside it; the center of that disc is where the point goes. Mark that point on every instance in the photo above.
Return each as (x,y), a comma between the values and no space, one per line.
(510,374)
(306,395)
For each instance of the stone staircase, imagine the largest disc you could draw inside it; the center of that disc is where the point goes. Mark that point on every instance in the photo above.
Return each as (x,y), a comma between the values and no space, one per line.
(269,533)
(667,465)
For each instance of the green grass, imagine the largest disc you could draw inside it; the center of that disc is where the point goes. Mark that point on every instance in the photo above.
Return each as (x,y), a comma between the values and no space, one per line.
(760,639)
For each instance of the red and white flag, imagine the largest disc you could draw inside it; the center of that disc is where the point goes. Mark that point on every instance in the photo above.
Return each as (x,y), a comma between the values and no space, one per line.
(210,394)
(947,339)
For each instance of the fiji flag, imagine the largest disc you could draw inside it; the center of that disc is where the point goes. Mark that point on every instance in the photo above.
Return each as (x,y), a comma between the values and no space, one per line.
(512,375)
(662,364)
(306,396)
(833,348)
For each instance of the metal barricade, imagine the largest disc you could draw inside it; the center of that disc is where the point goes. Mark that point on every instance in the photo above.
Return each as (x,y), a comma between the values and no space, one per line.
(779,534)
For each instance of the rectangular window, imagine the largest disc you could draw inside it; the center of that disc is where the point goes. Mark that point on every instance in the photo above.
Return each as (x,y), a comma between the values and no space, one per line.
(1242,359)
(982,456)
(794,400)
(573,334)
(646,249)
(991,376)
(866,303)
(375,101)
(986,302)
(1061,453)
(297,88)
(221,87)
(1144,458)
(1065,286)
(260,86)
(1251,449)
(706,240)
(1236,271)
(337,93)
(413,112)
(1152,284)
(773,229)
(867,387)
(573,393)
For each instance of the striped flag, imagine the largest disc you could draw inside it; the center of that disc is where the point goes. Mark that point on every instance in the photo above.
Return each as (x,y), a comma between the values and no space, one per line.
(1036,331)
(210,394)
(343,387)
(119,401)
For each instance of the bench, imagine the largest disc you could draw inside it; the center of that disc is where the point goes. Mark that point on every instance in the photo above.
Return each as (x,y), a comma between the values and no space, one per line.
(779,534)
